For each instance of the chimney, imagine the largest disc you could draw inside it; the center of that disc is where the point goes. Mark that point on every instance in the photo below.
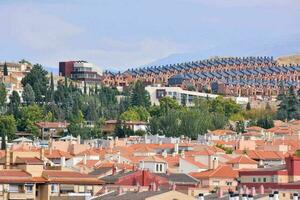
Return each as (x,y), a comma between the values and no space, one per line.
(215,162)
(42,153)
(276,195)
(140,188)
(120,190)
(220,193)
(241,191)
(174,187)
(84,159)
(253,191)
(200,196)
(7,158)
(244,197)
(164,154)
(295,196)
(182,154)
(105,189)
(63,161)
(176,148)
(78,139)
(262,189)
(154,186)
(114,170)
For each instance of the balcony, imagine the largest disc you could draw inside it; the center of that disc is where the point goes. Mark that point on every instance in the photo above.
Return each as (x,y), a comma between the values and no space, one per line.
(18,195)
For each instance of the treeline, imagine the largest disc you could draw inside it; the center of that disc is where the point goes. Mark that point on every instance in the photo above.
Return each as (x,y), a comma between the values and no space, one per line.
(43,102)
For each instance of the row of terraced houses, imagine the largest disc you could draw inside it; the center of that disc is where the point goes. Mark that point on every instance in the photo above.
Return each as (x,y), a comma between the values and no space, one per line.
(237,76)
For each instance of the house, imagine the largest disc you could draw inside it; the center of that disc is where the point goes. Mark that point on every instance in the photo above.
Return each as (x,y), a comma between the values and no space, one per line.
(283,177)
(52,129)
(188,165)
(154,164)
(219,134)
(24,175)
(145,195)
(222,177)
(110,125)
(242,162)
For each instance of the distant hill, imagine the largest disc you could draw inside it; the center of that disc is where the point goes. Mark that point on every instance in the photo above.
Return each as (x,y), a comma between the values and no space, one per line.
(293,59)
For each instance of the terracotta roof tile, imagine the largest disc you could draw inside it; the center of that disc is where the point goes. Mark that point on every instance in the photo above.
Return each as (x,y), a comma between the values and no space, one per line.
(222,171)
(243,159)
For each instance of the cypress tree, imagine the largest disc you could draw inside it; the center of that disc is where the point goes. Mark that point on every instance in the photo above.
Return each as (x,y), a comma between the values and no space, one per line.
(51,83)
(5,70)
(84,88)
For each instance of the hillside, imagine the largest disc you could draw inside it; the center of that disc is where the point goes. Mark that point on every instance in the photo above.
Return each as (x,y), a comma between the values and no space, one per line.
(294,59)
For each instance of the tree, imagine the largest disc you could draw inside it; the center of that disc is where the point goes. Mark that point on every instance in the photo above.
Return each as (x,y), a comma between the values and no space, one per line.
(3,94)
(38,80)
(289,107)
(167,103)
(84,88)
(14,103)
(29,116)
(130,115)
(265,122)
(28,94)
(248,107)
(5,70)
(139,96)
(240,127)
(7,128)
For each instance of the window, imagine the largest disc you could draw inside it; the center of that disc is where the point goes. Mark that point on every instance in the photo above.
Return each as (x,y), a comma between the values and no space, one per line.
(215,183)
(29,188)
(81,189)
(265,180)
(54,188)
(229,183)
(259,180)
(161,168)
(157,167)
(15,188)
(254,180)
(273,179)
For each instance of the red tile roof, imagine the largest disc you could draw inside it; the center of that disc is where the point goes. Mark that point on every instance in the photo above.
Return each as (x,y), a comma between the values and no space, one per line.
(55,153)
(243,159)
(70,177)
(29,161)
(195,163)
(222,171)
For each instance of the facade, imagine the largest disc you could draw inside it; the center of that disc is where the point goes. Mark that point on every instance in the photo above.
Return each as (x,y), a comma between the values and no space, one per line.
(281,177)
(183,97)
(66,68)
(81,71)
(234,76)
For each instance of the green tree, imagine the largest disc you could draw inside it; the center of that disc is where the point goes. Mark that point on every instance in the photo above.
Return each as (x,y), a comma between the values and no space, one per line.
(7,128)
(265,122)
(139,96)
(289,107)
(38,80)
(14,104)
(130,115)
(28,94)
(248,107)
(240,127)
(167,103)
(29,116)
(3,94)
(5,70)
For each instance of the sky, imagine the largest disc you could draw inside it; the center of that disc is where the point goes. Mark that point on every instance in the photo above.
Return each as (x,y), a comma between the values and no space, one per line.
(121,34)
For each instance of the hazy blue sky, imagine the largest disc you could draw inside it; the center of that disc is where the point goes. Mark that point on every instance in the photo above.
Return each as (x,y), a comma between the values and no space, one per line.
(128,33)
